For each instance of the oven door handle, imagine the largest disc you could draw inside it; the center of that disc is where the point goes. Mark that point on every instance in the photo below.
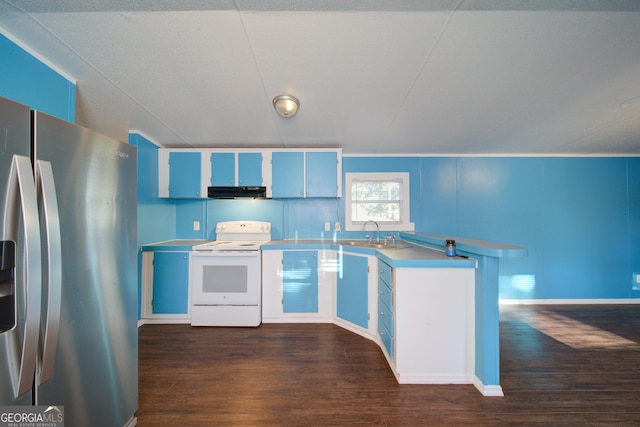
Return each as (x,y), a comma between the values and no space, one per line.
(216,253)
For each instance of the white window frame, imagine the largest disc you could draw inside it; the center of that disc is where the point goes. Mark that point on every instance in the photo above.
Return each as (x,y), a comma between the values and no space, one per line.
(405,223)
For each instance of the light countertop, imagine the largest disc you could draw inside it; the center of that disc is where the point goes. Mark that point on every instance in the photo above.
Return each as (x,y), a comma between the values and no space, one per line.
(420,250)
(410,255)
(463,244)
(172,245)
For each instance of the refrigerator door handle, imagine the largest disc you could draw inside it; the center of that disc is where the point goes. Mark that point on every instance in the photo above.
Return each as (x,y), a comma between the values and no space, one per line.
(53,282)
(21,184)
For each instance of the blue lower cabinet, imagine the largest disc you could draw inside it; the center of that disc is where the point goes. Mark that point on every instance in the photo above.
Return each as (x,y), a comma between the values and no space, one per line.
(385,324)
(385,316)
(170,283)
(387,339)
(300,281)
(385,306)
(353,295)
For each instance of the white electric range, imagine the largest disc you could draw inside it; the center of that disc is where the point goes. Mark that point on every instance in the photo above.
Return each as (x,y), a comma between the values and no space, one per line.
(225,275)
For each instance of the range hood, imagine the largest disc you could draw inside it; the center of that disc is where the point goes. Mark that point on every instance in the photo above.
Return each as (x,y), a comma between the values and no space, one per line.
(237,192)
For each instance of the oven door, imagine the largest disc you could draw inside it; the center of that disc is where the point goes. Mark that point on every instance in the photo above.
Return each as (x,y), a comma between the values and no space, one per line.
(225,277)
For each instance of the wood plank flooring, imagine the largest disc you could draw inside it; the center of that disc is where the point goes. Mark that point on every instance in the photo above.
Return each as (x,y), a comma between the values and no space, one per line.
(560,365)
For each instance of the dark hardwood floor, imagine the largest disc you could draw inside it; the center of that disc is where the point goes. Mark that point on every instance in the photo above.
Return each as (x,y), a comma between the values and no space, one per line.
(560,365)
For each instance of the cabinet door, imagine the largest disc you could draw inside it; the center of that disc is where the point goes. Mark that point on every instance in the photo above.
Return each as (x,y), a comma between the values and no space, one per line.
(300,281)
(353,295)
(385,307)
(249,169)
(322,175)
(170,283)
(184,175)
(223,169)
(287,174)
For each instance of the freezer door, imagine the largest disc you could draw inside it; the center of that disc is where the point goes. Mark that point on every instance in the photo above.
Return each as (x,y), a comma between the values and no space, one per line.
(20,258)
(95,368)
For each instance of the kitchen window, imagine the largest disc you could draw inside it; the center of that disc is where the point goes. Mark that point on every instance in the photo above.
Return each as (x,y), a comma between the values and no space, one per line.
(381,197)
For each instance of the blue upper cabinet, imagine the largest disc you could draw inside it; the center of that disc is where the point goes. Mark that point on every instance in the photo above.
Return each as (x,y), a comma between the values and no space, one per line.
(322,179)
(223,169)
(184,175)
(287,174)
(180,174)
(236,169)
(298,174)
(249,169)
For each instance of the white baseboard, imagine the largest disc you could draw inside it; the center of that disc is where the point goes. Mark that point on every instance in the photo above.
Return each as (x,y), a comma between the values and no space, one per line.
(488,390)
(164,321)
(358,330)
(433,378)
(132,422)
(297,319)
(612,301)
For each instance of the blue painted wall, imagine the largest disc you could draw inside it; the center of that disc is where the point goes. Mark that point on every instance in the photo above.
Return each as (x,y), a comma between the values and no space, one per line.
(573,214)
(28,81)
(579,217)
(156,217)
(633,181)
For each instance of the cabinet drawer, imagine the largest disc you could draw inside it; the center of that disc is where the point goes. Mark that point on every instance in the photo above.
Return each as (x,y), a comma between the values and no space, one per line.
(384,293)
(387,338)
(385,316)
(384,272)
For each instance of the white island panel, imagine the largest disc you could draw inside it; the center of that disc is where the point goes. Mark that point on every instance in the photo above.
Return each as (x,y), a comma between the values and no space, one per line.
(434,325)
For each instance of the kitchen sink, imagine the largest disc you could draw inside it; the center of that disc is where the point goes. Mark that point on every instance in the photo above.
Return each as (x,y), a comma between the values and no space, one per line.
(374,245)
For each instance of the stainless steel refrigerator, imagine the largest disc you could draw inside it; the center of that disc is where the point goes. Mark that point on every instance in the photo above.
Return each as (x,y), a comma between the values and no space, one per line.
(68,269)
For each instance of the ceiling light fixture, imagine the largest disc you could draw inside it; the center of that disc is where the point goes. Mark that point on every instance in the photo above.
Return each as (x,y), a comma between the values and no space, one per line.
(286,105)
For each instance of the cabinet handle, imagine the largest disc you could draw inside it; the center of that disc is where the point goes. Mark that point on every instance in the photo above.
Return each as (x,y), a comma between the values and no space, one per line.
(382,313)
(380,292)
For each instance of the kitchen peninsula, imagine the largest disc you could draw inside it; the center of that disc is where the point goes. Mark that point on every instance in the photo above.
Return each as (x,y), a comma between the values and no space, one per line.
(434,317)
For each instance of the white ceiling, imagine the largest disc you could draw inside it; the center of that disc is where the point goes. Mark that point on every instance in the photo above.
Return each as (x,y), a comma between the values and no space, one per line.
(373,77)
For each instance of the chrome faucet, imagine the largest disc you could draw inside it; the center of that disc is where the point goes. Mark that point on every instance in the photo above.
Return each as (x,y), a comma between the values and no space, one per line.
(364,227)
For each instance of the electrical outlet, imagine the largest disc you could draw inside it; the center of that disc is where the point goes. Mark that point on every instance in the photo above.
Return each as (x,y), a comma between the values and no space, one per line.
(327,226)
(336,226)
(196,225)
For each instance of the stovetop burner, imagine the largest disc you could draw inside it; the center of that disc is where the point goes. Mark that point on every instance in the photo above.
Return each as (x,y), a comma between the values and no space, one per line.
(240,235)
(226,245)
